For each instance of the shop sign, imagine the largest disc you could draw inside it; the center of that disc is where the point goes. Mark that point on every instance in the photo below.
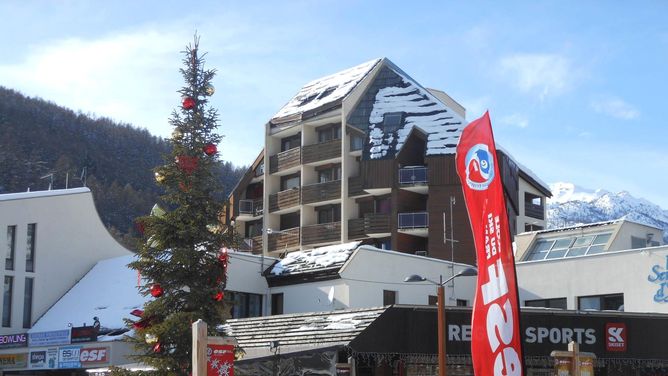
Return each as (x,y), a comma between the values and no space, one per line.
(94,355)
(68,357)
(659,276)
(9,361)
(219,359)
(54,337)
(615,337)
(44,359)
(83,334)
(14,340)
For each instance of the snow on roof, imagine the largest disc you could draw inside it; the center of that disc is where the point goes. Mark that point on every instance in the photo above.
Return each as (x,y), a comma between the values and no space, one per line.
(108,291)
(49,193)
(326,90)
(422,109)
(318,258)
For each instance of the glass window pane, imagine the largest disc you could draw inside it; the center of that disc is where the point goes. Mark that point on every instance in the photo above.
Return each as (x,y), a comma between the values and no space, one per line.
(594,249)
(27,303)
(562,243)
(602,239)
(576,251)
(556,254)
(536,256)
(583,240)
(543,245)
(589,302)
(7,302)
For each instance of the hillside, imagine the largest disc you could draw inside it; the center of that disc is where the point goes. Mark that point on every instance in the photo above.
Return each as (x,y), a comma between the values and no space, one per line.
(39,138)
(572,205)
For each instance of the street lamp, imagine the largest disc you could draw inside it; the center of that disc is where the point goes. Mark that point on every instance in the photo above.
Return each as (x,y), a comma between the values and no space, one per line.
(441,309)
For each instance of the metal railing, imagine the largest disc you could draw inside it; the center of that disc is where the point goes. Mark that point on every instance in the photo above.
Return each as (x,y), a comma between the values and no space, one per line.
(413,220)
(413,175)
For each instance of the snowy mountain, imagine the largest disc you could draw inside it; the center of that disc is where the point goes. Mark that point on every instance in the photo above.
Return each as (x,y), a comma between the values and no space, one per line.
(572,205)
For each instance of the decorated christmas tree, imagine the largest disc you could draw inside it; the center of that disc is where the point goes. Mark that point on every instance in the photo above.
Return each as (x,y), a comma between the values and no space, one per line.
(183,258)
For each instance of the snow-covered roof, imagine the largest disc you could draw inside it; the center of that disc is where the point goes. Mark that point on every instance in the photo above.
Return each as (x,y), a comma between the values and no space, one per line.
(325,90)
(108,291)
(333,256)
(421,109)
(49,193)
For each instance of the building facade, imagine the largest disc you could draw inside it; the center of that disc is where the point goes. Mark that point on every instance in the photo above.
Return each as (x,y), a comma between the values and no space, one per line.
(51,239)
(368,154)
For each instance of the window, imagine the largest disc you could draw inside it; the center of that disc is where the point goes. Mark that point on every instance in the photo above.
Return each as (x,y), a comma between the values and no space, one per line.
(531,227)
(291,142)
(389,297)
(244,304)
(329,213)
(277,304)
(462,303)
(613,302)
(392,121)
(290,181)
(432,300)
(11,246)
(329,173)
(7,302)
(27,303)
(545,249)
(547,303)
(289,220)
(328,133)
(533,206)
(30,247)
(356,142)
(383,205)
(637,242)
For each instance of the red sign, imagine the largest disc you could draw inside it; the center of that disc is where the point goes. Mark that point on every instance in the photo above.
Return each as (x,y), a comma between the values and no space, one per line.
(220,360)
(495,339)
(615,337)
(94,355)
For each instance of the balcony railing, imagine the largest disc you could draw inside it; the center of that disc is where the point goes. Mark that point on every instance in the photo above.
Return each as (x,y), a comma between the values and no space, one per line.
(250,207)
(413,220)
(285,239)
(356,186)
(284,199)
(322,233)
(413,175)
(369,224)
(330,190)
(285,160)
(254,244)
(320,152)
(534,211)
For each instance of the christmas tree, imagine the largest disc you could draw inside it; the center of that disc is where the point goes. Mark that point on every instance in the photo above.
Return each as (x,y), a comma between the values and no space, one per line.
(183,258)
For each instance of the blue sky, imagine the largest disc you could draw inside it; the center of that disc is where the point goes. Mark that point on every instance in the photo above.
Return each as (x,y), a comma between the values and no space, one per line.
(575,89)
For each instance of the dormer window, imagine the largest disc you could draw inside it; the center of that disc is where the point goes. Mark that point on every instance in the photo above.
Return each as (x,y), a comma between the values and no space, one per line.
(392,121)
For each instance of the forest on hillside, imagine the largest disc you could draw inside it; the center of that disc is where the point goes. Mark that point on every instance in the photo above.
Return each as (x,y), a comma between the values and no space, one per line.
(43,144)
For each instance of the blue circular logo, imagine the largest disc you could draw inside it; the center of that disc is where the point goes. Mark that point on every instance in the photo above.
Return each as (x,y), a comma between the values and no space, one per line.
(479,167)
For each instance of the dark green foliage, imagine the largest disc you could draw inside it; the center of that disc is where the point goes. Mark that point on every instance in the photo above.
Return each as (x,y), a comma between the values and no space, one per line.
(181,249)
(39,138)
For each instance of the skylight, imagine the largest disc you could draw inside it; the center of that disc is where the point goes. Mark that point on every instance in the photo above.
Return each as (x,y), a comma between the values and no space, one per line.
(568,246)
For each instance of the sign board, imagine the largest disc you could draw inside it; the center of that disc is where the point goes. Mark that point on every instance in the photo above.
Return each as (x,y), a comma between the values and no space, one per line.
(219,360)
(10,361)
(13,340)
(54,337)
(44,359)
(83,334)
(94,356)
(68,357)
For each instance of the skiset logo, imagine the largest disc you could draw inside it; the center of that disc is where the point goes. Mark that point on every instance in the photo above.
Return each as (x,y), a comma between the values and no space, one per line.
(615,337)
(479,167)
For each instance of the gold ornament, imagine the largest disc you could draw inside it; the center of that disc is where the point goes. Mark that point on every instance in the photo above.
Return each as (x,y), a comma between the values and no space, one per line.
(209,90)
(151,338)
(159,177)
(177,134)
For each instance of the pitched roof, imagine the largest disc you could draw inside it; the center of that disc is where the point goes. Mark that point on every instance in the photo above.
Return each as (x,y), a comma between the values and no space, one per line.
(317,259)
(324,92)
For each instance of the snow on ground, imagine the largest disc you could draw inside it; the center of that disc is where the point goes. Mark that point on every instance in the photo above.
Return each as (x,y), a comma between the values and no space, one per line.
(108,291)
(316,258)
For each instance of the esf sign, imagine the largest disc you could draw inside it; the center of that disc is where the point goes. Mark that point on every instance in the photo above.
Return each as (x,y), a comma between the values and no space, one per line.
(659,276)
(533,334)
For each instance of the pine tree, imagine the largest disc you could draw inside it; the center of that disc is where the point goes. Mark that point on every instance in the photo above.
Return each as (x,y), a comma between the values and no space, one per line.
(183,258)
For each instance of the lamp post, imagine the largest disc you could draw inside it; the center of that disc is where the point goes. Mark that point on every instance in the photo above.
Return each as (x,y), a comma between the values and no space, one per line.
(441,309)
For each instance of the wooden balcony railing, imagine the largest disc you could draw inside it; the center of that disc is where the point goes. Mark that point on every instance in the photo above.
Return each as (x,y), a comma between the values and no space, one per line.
(320,152)
(534,211)
(321,192)
(284,199)
(285,239)
(285,160)
(322,233)
(370,224)
(254,244)
(356,186)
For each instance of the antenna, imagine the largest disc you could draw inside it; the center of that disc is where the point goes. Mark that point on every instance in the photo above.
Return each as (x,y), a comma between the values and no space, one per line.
(50,181)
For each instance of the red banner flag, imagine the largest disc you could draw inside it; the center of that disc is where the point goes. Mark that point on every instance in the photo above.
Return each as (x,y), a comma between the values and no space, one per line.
(496,347)
(219,360)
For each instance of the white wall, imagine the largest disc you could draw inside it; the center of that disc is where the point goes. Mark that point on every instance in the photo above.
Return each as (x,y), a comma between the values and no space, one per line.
(70,239)
(624,272)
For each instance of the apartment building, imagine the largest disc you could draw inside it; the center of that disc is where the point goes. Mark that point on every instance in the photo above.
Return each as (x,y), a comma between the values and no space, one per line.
(368,154)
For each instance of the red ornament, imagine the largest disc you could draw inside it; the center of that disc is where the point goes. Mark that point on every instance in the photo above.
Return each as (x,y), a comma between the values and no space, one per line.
(157,348)
(223,256)
(186,163)
(188,103)
(139,225)
(219,296)
(210,149)
(185,187)
(137,312)
(141,324)
(156,290)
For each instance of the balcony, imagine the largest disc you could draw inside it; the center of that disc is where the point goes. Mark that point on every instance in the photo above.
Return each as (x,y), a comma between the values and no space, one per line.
(356,186)
(534,211)
(319,192)
(414,179)
(249,209)
(283,200)
(322,153)
(254,244)
(371,225)
(322,233)
(285,162)
(416,224)
(284,240)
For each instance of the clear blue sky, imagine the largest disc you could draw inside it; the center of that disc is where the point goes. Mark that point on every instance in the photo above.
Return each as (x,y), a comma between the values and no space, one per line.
(576,90)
